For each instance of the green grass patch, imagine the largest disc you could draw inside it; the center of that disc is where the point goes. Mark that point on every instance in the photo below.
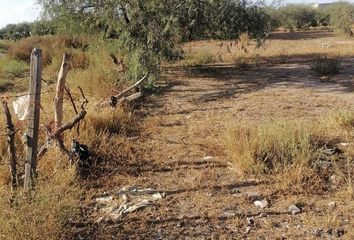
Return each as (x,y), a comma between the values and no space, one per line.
(15,68)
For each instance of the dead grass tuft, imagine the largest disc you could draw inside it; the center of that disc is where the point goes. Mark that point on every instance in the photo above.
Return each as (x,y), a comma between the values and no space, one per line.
(324,65)
(43,214)
(294,155)
(200,59)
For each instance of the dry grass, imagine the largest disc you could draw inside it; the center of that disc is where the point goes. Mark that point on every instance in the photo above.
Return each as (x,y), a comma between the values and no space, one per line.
(292,153)
(45,213)
(325,66)
(200,59)
(50,45)
(280,48)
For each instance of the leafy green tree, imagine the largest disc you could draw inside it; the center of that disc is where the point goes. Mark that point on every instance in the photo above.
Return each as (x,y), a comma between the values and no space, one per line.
(147,31)
(341,16)
(297,16)
(43,27)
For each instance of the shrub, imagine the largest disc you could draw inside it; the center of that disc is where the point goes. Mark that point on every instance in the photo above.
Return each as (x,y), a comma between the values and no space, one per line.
(50,45)
(200,59)
(45,216)
(341,16)
(244,41)
(15,68)
(270,147)
(3,46)
(5,85)
(325,66)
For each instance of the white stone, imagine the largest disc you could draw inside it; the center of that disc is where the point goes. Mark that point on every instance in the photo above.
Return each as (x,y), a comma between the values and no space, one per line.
(293,209)
(261,204)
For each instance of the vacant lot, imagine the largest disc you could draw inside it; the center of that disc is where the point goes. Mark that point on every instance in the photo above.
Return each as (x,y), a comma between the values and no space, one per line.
(191,131)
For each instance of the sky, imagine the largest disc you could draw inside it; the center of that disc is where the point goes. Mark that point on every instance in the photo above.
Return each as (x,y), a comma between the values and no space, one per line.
(15,11)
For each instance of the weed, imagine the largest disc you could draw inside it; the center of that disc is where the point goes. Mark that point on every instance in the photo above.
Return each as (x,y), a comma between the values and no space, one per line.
(15,68)
(291,152)
(5,85)
(45,214)
(3,46)
(244,41)
(325,66)
(200,59)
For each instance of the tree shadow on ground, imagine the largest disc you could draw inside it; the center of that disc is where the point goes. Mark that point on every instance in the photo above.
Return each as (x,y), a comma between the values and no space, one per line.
(302,35)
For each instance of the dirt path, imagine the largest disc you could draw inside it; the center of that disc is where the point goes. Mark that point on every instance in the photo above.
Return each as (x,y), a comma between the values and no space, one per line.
(182,155)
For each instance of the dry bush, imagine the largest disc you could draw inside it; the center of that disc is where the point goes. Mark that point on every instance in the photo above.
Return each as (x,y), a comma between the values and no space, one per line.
(292,154)
(118,121)
(200,59)
(241,62)
(96,74)
(244,41)
(50,45)
(269,148)
(3,46)
(325,65)
(343,119)
(45,213)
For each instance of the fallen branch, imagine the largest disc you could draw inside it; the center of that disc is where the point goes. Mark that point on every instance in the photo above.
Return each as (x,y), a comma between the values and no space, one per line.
(134,96)
(137,84)
(11,144)
(117,98)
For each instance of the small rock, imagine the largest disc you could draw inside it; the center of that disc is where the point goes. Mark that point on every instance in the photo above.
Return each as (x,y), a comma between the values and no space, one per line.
(293,209)
(250,221)
(262,204)
(263,214)
(208,158)
(332,205)
(334,179)
(248,230)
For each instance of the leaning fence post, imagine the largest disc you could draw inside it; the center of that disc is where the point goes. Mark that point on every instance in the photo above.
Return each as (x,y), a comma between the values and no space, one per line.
(58,101)
(11,144)
(33,117)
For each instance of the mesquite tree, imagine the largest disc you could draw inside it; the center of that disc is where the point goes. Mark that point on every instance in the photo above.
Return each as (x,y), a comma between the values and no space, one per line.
(147,31)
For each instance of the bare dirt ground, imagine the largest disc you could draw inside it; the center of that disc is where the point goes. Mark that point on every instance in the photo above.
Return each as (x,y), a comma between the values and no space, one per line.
(180,153)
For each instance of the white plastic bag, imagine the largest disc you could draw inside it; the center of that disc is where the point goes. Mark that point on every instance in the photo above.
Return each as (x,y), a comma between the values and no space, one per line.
(21,107)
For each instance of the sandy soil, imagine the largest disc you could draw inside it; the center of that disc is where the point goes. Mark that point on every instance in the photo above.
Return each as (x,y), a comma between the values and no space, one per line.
(181,155)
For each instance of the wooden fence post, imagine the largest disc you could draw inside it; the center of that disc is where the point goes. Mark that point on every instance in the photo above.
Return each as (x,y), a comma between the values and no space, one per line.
(11,144)
(33,117)
(58,101)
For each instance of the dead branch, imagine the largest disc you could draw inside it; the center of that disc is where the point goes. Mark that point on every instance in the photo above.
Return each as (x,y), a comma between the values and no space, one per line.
(85,101)
(114,59)
(11,144)
(67,89)
(116,99)
(71,124)
(58,101)
(137,84)
(134,96)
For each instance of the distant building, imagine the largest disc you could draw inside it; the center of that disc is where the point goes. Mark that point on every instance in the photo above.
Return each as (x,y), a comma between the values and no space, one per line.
(321,5)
